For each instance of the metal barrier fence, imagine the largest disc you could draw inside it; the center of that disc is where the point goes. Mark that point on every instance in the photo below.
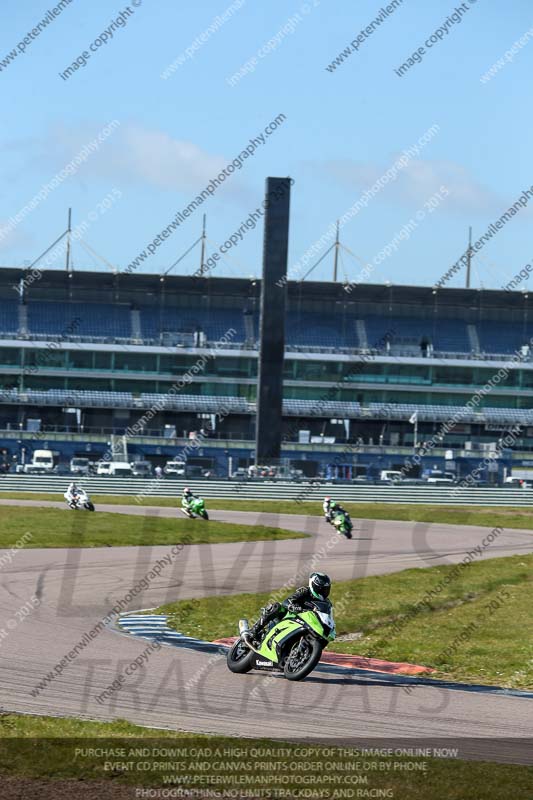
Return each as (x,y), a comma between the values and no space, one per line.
(270,490)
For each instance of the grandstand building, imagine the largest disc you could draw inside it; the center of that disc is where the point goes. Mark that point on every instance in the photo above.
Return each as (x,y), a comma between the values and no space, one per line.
(172,363)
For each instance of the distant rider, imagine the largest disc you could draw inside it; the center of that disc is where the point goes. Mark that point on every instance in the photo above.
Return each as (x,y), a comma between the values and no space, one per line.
(318,589)
(71,495)
(326,507)
(331,508)
(186,499)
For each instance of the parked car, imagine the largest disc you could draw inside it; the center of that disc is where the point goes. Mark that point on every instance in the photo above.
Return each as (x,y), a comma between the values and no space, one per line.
(174,468)
(33,469)
(141,469)
(391,475)
(440,477)
(62,469)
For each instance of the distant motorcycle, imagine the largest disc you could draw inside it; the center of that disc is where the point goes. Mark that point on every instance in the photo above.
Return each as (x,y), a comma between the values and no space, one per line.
(342,522)
(194,508)
(81,501)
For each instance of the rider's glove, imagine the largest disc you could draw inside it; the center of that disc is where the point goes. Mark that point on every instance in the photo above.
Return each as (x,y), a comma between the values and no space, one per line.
(293,607)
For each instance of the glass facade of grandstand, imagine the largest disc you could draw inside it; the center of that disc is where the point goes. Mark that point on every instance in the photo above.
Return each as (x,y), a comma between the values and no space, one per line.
(387,382)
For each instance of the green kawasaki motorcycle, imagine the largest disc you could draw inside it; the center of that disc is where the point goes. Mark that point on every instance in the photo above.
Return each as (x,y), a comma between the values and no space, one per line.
(194,508)
(342,522)
(292,646)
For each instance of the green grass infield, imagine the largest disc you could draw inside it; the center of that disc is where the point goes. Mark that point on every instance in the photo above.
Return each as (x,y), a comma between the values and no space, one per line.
(51,527)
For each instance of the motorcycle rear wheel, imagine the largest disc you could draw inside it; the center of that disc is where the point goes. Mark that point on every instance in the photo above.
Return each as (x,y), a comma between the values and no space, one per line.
(240,657)
(303,657)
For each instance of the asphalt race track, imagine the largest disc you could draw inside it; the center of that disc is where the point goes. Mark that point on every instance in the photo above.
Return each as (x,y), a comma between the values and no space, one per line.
(191,688)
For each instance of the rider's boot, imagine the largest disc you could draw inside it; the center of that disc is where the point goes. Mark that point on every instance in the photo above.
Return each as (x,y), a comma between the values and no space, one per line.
(251,636)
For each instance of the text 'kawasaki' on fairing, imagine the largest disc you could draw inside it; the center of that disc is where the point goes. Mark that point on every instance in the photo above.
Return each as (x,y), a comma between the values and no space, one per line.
(293,645)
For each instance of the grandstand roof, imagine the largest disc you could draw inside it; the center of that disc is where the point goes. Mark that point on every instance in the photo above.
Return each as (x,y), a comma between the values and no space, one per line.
(128,288)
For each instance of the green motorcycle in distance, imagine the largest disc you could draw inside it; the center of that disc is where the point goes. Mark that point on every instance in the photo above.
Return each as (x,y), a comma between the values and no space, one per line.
(342,522)
(292,646)
(194,508)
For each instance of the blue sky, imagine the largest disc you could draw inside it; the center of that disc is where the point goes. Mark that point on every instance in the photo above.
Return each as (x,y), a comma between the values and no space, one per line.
(343,130)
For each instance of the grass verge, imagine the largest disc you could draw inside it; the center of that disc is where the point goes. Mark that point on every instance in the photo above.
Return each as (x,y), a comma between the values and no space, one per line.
(489,516)
(51,527)
(59,751)
(476,627)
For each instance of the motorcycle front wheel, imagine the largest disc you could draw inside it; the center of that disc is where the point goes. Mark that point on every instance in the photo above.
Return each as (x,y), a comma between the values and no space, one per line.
(204,515)
(89,506)
(303,657)
(240,657)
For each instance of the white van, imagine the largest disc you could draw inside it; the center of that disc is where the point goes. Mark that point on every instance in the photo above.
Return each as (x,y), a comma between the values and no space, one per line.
(103,468)
(79,466)
(120,469)
(43,461)
(114,469)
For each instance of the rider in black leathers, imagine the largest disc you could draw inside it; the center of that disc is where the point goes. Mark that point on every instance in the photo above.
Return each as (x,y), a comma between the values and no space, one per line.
(318,589)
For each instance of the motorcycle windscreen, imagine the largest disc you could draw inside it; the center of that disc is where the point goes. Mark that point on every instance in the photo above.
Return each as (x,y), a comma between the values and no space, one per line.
(311,619)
